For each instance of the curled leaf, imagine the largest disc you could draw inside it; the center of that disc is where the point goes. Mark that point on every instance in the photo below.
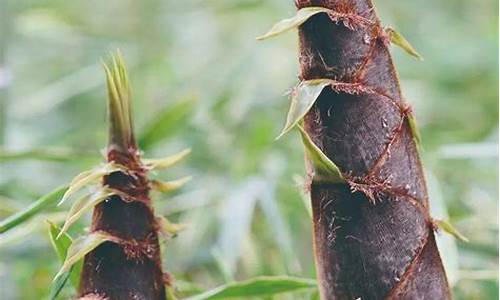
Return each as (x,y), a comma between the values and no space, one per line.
(88,177)
(399,40)
(82,205)
(168,186)
(81,246)
(163,163)
(303,98)
(324,168)
(300,17)
(448,228)
(168,228)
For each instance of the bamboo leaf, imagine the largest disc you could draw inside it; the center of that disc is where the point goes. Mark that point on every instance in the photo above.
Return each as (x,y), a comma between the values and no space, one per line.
(166,122)
(168,228)
(61,246)
(81,246)
(163,163)
(82,205)
(450,229)
(168,186)
(399,40)
(257,287)
(88,177)
(303,98)
(300,18)
(37,206)
(325,169)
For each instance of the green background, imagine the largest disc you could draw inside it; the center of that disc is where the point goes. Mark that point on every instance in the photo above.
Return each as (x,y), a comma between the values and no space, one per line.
(201,80)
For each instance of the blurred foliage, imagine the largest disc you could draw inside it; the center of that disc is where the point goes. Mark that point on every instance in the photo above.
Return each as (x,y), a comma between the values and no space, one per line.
(200,80)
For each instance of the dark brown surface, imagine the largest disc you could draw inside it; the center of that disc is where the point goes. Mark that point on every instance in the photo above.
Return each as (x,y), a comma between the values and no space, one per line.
(373,236)
(131,270)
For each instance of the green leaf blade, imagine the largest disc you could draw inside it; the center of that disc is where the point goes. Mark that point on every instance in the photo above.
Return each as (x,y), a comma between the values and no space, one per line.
(399,40)
(302,100)
(325,169)
(44,202)
(258,286)
(300,18)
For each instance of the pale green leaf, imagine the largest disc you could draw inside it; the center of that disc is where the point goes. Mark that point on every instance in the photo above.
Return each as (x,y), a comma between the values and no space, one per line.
(448,228)
(61,246)
(163,163)
(168,228)
(84,204)
(324,168)
(302,99)
(83,245)
(88,177)
(257,287)
(300,18)
(37,206)
(399,40)
(168,186)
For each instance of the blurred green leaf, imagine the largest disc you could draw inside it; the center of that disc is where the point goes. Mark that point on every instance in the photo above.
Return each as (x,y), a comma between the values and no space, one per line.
(39,205)
(302,15)
(258,286)
(166,123)
(56,155)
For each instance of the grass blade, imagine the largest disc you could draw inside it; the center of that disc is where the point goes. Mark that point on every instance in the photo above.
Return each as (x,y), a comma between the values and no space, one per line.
(255,287)
(44,202)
